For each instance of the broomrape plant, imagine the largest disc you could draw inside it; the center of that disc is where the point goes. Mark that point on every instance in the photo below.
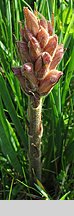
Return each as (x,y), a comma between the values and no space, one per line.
(40,55)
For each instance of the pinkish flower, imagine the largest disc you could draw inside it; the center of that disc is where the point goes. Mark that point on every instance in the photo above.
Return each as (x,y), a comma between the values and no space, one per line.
(31,21)
(50,80)
(40,55)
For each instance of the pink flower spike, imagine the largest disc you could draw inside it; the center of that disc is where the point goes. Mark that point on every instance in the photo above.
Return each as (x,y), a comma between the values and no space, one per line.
(39,53)
(31,21)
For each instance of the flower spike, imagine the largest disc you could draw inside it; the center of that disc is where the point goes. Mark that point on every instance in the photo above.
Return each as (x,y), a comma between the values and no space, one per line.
(39,53)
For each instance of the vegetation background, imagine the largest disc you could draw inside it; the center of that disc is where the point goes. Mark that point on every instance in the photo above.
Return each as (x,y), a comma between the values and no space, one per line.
(57,115)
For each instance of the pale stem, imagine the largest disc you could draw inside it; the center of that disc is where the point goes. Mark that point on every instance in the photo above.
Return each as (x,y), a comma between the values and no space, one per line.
(35,134)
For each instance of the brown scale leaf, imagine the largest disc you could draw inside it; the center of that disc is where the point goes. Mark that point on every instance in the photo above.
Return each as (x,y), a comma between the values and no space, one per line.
(31,21)
(51,45)
(23,51)
(57,56)
(50,80)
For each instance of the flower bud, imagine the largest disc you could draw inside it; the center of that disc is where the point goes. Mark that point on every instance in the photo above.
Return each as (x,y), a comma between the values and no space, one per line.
(18,74)
(38,64)
(34,48)
(42,65)
(50,80)
(31,21)
(46,58)
(43,72)
(51,45)
(26,32)
(43,23)
(57,56)
(52,20)
(17,71)
(42,37)
(27,72)
(23,51)
(50,28)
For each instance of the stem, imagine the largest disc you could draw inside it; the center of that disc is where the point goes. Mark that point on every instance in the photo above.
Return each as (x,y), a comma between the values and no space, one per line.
(35,109)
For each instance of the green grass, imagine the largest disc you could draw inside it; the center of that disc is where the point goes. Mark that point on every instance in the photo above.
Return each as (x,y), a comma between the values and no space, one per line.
(57,115)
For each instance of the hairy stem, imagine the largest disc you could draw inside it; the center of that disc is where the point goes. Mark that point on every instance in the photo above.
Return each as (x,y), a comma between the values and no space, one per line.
(35,109)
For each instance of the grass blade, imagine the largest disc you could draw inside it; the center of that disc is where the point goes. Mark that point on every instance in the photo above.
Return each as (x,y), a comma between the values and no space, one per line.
(10,107)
